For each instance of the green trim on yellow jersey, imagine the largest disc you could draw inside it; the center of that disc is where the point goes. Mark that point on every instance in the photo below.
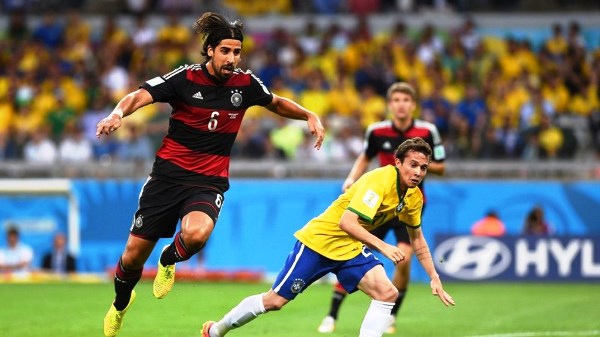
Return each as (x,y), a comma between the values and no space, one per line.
(375,198)
(360,215)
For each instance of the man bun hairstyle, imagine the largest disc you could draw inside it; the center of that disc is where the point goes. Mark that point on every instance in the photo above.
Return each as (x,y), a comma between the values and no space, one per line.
(416,144)
(214,28)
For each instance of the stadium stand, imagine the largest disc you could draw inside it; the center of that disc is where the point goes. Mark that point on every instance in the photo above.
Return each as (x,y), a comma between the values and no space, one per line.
(496,91)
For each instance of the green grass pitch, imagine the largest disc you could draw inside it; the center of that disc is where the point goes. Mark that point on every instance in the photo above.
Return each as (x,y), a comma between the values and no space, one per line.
(483,309)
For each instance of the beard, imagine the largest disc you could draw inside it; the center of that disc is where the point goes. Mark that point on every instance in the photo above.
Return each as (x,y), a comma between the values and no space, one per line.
(225,72)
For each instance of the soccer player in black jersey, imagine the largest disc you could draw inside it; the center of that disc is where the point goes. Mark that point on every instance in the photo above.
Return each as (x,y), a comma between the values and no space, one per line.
(381,139)
(190,173)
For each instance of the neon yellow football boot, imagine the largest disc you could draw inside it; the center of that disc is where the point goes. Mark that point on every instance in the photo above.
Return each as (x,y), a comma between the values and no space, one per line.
(164,280)
(114,318)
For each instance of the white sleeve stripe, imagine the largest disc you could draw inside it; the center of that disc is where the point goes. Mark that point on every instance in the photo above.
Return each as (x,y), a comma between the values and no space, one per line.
(175,72)
(278,287)
(261,84)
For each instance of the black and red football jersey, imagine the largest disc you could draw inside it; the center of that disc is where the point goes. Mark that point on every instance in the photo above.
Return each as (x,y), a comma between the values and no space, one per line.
(206,117)
(383,138)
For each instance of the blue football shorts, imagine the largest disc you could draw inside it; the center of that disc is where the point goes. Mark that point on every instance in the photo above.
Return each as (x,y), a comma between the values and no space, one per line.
(305,266)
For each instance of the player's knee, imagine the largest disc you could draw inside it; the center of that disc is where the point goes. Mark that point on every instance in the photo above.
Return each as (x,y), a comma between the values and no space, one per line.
(388,294)
(196,237)
(132,263)
(132,258)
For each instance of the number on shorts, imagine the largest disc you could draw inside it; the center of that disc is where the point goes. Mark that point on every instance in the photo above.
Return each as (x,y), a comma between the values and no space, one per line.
(365,254)
(219,201)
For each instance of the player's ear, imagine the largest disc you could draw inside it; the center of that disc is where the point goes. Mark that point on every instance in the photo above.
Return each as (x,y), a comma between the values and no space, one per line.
(209,51)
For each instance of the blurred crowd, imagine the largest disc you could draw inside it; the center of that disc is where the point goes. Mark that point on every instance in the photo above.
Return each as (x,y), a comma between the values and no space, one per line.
(490,97)
(276,7)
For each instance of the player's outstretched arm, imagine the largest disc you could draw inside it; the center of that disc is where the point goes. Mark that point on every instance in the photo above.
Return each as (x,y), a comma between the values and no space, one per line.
(438,290)
(423,254)
(126,106)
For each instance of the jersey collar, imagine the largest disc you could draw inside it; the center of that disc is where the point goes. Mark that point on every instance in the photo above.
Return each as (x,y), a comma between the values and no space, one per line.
(399,191)
(412,123)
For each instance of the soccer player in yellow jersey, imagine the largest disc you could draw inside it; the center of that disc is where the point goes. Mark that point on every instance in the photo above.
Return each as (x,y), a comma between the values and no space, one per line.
(339,241)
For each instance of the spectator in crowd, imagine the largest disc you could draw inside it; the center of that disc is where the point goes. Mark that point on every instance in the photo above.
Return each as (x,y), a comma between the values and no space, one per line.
(74,147)
(40,148)
(287,138)
(251,142)
(50,32)
(533,109)
(137,145)
(327,6)
(102,148)
(16,257)
(17,29)
(489,225)
(468,37)
(438,108)
(550,137)
(535,223)
(575,37)
(139,7)
(472,106)
(59,260)
(143,34)
(59,117)
(557,44)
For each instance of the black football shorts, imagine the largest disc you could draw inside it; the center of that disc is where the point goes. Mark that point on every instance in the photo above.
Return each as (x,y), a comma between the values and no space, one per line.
(162,204)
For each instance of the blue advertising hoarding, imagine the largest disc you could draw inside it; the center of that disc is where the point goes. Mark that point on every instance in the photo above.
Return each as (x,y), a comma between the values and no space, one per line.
(478,258)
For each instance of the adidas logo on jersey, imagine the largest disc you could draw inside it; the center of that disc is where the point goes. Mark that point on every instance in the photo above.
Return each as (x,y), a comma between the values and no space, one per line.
(198,95)
(387,146)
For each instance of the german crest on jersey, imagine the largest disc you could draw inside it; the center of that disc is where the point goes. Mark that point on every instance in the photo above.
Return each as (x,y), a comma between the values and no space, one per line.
(236,98)
(297,286)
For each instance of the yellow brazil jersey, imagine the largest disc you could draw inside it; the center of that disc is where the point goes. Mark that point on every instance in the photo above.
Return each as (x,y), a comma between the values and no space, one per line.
(375,199)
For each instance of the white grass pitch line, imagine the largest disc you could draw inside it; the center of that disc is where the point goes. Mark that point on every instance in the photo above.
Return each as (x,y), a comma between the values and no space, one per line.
(544,334)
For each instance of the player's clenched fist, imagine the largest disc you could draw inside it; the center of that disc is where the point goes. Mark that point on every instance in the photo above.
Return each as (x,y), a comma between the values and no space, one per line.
(393,253)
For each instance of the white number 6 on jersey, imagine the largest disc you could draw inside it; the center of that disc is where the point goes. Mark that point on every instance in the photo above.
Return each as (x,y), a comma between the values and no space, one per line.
(212,123)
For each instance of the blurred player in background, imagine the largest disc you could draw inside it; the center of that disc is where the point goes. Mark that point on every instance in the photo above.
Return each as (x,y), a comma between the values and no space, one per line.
(381,140)
(339,241)
(190,173)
